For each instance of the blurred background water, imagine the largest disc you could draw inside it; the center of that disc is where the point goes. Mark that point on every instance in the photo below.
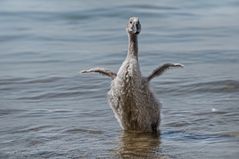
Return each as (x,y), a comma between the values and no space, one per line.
(49,110)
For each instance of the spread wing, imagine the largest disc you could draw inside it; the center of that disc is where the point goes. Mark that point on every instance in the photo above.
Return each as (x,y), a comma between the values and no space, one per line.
(102,71)
(161,69)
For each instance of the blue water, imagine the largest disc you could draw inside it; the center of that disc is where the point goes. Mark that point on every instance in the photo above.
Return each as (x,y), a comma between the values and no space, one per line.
(49,110)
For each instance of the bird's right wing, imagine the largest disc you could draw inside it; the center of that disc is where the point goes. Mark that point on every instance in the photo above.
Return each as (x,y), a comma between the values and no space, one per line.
(101,71)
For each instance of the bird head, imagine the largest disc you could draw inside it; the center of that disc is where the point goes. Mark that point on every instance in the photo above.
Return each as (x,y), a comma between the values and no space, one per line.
(133,26)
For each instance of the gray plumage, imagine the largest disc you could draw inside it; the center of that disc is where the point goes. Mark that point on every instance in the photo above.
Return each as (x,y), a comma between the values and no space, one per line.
(133,103)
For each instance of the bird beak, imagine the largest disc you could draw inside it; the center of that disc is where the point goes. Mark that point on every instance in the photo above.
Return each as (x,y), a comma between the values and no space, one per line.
(137,27)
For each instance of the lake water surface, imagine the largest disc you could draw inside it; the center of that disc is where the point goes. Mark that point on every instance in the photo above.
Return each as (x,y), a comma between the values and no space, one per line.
(49,110)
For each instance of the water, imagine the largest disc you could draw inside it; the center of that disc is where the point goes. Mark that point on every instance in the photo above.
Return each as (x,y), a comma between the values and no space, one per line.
(49,110)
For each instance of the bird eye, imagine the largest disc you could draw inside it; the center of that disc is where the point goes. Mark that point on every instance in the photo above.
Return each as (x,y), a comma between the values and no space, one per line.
(130,22)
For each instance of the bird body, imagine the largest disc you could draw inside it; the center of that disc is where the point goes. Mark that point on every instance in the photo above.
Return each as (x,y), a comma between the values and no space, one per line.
(133,103)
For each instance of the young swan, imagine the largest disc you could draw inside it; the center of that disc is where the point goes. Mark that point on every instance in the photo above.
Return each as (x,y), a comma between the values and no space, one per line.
(134,105)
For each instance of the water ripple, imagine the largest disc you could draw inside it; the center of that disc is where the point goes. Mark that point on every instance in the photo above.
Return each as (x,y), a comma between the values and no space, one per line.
(186,136)
(198,88)
(9,81)
(80,130)
(10,111)
(221,86)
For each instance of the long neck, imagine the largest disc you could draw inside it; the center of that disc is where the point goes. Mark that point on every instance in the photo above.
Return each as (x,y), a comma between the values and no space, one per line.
(133,46)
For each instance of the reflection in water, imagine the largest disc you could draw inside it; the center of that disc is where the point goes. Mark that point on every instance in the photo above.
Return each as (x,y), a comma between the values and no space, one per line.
(139,145)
